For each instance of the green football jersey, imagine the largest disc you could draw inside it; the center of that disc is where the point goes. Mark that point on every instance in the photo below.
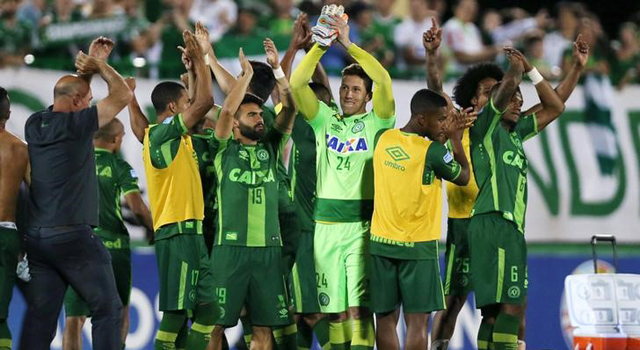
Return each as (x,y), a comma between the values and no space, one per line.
(302,170)
(247,191)
(344,153)
(202,147)
(116,178)
(500,164)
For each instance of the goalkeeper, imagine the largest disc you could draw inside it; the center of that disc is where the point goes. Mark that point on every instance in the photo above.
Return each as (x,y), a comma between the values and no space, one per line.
(344,190)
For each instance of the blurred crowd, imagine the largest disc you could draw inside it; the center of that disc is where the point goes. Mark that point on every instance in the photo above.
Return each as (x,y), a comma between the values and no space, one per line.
(48,33)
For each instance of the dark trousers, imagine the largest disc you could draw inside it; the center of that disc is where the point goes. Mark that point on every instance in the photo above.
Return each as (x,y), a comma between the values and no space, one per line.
(74,256)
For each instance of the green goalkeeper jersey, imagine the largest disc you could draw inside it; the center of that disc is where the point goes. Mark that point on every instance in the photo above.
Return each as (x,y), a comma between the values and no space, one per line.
(116,178)
(247,191)
(500,164)
(344,153)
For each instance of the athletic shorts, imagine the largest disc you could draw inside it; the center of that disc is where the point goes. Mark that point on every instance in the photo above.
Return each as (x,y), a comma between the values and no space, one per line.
(303,277)
(498,260)
(457,280)
(9,250)
(184,271)
(74,305)
(341,258)
(251,277)
(415,284)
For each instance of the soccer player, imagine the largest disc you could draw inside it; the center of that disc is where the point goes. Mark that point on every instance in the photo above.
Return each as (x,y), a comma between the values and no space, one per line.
(344,202)
(247,249)
(406,219)
(14,162)
(64,205)
(177,205)
(116,179)
(496,232)
(302,170)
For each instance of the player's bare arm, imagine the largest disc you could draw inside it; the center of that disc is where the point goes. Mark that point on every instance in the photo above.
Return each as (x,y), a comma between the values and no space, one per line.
(568,84)
(203,98)
(137,119)
(383,102)
(431,40)
(512,78)
(552,105)
(139,209)
(456,123)
(286,117)
(224,127)
(119,93)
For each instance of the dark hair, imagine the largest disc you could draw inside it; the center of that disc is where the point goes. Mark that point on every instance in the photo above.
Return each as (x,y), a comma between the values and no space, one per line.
(467,86)
(263,80)
(356,8)
(4,104)
(165,93)
(322,92)
(426,101)
(357,70)
(108,131)
(249,98)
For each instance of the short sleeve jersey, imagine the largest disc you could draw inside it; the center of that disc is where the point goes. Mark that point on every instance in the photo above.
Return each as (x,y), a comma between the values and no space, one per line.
(500,164)
(344,153)
(462,198)
(116,179)
(164,141)
(64,186)
(409,170)
(247,192)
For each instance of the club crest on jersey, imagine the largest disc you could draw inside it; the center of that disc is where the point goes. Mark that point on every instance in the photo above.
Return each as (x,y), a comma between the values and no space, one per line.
(357,127)
(262,155)
(358,144)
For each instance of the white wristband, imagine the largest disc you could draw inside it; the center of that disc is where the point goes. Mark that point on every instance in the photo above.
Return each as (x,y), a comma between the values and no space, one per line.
(206,59)
(535,76)
(278,73)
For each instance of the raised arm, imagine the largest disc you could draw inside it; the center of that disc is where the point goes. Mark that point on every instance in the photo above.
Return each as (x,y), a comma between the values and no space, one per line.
(286,116)
(431,40)
(510,81)
(225,80)
(119,93)
(137,119)
(552,105)
(203,99)
(383,102)
(304,97)
(224,126)
(569,83)
(456,123)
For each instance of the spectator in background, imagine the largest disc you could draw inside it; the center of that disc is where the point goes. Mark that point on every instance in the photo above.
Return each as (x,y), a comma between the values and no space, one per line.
(168,30)
(408,36)
(132,42)
(384,25)
(217,15)
(627,50)
(104,8)
(377,40)
(534,50)
(463,40)
(32,11)
(244,34)
(15,35)
(280,22)
(497,31)
(557,42)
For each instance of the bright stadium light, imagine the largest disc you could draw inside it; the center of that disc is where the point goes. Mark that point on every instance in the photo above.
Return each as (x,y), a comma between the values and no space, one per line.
(139,62)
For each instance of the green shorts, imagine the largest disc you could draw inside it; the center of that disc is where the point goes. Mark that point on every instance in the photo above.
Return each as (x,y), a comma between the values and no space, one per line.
(184,271)
(457,280)
(74,305)
(341,258)
(303,278)
(498,260)
(415,284)
(9,251)
(253,277)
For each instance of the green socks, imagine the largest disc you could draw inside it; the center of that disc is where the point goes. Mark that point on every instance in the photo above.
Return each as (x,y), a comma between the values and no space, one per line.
(202,326)
(364,335)
(321,329)
(285,337)
(484,335)
(340,335)
(5,336)
(172,322)
(505,332)
(304,338)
